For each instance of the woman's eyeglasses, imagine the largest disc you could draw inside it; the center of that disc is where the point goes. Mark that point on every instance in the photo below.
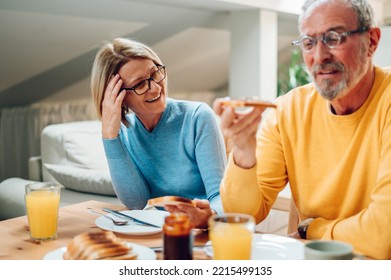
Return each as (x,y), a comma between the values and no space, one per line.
(145,85)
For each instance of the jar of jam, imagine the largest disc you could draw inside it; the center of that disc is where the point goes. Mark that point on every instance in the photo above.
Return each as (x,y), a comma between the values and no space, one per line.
(178,239)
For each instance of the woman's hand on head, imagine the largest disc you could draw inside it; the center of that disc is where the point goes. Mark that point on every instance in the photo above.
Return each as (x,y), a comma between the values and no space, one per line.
(199,215)
(111,108)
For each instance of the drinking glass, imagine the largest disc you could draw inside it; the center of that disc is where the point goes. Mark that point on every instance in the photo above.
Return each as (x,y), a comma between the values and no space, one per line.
(42,202)
(231,236)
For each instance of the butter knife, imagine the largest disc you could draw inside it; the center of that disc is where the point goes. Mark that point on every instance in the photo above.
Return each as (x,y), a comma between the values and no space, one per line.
(126,216)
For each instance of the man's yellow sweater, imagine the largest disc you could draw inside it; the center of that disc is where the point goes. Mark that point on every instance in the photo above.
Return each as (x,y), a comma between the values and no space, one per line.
(338,167)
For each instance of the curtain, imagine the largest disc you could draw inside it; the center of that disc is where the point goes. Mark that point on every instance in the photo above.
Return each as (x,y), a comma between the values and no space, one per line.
(21,127)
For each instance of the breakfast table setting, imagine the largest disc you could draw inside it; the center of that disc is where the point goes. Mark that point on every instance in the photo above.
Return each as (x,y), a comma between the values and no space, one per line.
(50,239)
(147,241)
(147,235)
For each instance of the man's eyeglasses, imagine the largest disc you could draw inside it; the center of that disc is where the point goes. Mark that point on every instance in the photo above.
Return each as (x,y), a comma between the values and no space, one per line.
(145,85)
(331,39)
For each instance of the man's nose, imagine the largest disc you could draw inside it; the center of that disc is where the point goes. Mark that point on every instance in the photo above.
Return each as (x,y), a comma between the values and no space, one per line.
(321,52)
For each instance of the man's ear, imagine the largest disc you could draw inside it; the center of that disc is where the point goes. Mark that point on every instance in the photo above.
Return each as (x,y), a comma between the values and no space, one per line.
(374,37)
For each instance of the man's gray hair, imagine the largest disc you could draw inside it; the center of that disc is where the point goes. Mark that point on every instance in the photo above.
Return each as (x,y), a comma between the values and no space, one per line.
(362,8)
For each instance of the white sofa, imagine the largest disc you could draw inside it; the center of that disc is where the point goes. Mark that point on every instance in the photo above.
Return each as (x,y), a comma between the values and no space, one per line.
(71,154)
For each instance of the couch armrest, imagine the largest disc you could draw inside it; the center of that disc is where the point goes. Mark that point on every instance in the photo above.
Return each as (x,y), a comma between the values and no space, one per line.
(35,168)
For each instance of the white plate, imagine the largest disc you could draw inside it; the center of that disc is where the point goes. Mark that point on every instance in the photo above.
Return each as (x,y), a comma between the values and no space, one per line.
(272,247)
(143,253)
(155,217)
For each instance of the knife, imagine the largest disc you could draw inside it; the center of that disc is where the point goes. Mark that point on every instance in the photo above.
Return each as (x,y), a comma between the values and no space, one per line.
(122,215)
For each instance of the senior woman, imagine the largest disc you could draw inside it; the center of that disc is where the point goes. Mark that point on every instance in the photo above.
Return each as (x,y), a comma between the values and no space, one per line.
(155,145)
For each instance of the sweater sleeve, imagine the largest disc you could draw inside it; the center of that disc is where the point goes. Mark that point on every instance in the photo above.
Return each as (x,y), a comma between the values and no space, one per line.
(210,148)
(239,190)
(128,182)
(253,191)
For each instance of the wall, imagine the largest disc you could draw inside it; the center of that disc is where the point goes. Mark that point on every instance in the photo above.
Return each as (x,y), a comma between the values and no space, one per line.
(387,9)
(382,56)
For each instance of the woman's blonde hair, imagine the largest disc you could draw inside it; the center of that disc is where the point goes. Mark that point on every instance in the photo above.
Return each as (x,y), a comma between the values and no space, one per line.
(109,59)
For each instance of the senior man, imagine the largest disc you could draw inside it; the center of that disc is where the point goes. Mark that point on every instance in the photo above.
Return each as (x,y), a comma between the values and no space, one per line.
(330,139)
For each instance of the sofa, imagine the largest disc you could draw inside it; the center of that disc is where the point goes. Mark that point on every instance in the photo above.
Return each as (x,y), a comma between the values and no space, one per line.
(72,155)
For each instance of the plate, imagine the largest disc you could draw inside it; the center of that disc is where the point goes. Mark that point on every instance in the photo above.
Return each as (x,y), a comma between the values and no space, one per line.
(143,253)
(272,247)
(155,217)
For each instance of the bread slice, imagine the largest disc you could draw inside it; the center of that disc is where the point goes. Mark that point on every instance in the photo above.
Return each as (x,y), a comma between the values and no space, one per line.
(108,251)
(80,243)
(101,247)
(169,200)
(98,246)
(248,103)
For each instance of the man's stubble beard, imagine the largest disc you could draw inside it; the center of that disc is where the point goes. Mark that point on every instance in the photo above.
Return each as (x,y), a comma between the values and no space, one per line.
(350,77)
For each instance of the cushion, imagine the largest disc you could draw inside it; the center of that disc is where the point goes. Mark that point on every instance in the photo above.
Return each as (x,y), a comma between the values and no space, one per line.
(76,144)
(85,149)
(82,179)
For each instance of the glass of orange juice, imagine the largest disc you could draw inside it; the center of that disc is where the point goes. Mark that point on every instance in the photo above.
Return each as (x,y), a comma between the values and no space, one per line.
(42,202)
(231,236)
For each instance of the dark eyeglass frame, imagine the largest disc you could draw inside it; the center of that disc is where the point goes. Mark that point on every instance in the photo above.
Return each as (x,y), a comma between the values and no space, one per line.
(159,68)
(325,36)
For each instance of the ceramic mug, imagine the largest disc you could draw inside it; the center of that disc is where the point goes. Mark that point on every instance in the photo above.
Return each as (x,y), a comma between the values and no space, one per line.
(329,250)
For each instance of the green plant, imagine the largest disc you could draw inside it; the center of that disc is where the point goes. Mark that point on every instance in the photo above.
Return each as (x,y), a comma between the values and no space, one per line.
(293,75)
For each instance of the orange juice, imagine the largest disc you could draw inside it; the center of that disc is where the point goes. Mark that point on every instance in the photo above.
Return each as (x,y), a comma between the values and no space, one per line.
(231,241)
(42,211)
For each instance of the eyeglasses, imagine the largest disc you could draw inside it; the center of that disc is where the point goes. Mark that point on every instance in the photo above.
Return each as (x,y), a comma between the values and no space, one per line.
(145,85)
(331,39)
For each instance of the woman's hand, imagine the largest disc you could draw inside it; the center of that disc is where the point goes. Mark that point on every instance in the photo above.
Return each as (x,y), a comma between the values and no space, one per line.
(111,108)
(241,128)
(199,215)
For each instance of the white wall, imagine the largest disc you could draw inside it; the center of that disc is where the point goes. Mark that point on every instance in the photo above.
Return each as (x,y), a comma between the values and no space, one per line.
(378,9)
(387,9)
(382,56)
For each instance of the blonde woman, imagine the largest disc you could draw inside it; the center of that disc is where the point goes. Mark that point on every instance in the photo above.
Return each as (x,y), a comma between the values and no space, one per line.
(155,145)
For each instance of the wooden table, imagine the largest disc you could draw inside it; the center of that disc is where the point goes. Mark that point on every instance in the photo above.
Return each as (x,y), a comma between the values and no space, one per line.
(15,243)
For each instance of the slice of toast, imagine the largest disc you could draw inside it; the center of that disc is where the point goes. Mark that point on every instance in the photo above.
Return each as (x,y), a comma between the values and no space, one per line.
(98,246)
(108,251)
(81,242)
(169,200)
(248,103)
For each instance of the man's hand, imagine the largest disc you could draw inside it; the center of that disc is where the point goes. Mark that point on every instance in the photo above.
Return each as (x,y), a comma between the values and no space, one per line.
(241,128)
